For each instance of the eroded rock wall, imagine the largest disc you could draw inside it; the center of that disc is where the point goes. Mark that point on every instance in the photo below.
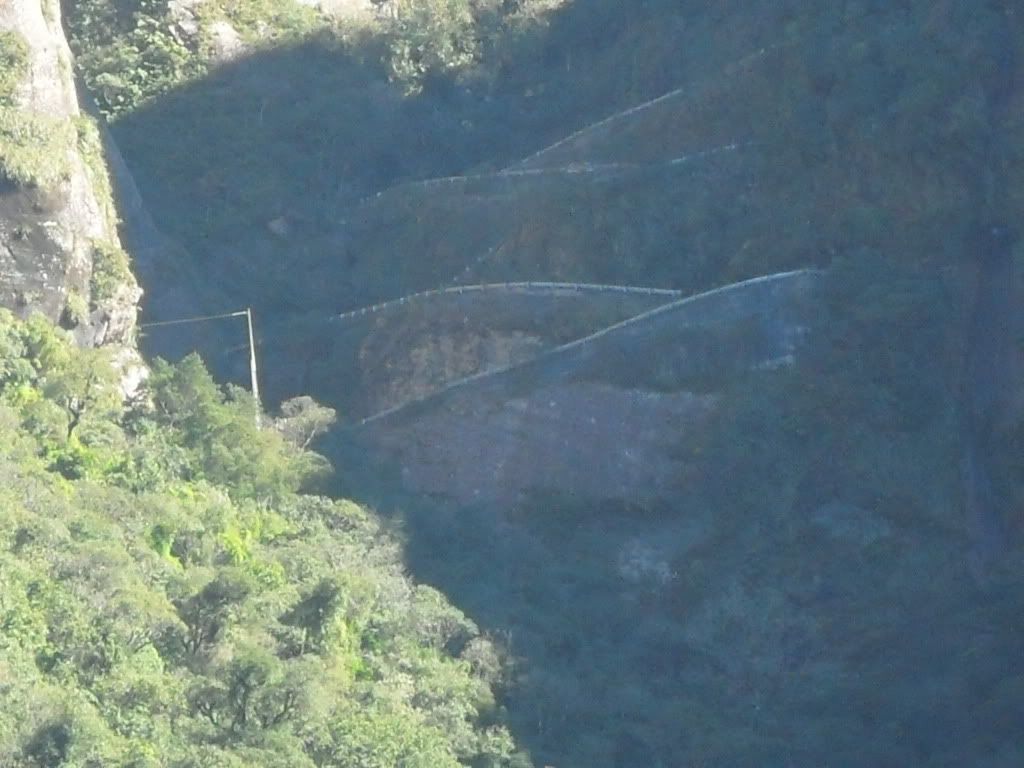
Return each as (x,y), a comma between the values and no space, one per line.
(59,250)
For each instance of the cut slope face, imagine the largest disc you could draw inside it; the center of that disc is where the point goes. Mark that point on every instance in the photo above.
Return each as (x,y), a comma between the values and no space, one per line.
(380,357)
(789,156)
(599,418)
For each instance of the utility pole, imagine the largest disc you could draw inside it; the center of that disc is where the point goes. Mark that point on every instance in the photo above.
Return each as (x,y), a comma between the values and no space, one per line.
(252,364)
(247,313)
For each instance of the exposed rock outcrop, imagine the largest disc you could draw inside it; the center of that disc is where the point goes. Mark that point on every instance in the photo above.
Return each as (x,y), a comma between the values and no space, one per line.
(59,249)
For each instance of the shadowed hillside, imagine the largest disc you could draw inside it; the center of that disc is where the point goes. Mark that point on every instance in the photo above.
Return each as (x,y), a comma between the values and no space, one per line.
(692,556)
(797,139)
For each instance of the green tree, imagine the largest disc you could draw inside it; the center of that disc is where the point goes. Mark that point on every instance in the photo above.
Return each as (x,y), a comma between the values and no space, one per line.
(430,37)
(207,612)
(373,737)
(15,367)
(255,690)
(303,419)
(86,386)
(219,432)
(315,614)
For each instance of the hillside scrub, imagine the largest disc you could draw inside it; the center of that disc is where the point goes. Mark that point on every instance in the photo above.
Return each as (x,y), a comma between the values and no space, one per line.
(130,52)
(169,600)
(396,95)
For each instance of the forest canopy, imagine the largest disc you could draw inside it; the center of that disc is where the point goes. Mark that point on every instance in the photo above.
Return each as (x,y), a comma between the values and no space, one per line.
(171,600)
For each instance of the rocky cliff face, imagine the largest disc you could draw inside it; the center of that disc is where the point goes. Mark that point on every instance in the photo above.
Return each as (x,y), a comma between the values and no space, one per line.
(59,249)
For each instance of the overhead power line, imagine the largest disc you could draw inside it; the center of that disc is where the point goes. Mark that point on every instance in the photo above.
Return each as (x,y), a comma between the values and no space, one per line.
(199,319)
(247,314)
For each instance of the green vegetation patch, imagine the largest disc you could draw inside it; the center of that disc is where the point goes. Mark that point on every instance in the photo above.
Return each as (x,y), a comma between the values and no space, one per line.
(430,37)
(76,310)
(131,52)
(110,271)
(128,53)
(33,148)
(13,60)
(170,600)
(90,148)
(262,21)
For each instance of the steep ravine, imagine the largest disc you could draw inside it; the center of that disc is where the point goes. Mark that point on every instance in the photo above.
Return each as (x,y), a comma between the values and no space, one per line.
(173,287)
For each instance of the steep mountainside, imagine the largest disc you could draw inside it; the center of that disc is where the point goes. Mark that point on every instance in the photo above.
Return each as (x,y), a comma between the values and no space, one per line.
(168,598)
(759,527)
